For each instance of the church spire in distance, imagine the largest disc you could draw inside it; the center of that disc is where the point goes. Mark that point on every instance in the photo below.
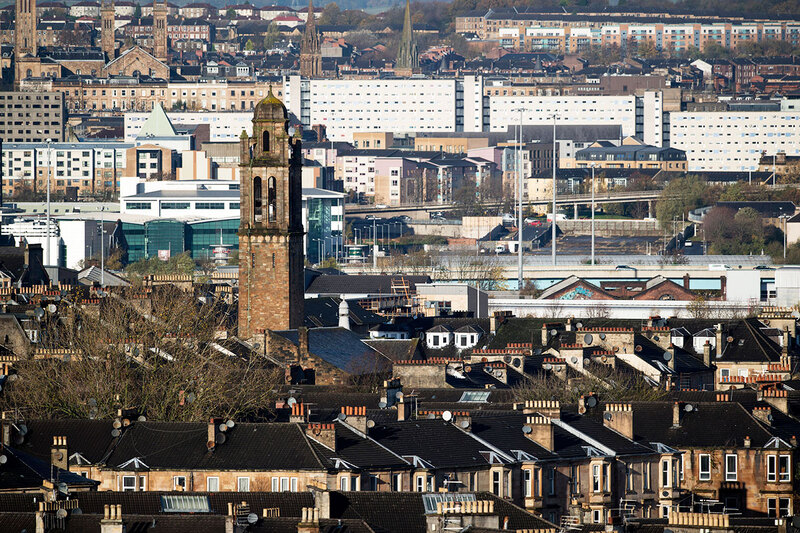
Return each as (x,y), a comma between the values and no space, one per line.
(407,53)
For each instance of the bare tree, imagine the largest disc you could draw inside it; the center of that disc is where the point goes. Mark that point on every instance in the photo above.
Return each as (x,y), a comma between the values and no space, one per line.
(158,355)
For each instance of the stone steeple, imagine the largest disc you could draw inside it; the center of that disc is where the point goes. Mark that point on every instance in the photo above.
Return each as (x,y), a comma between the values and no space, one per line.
(407,53)
(310,49)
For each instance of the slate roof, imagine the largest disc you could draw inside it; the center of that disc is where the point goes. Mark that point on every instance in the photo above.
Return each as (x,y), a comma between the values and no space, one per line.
(342,348)
(182,445)
(594,429)
(404,512)
(358,451)
(652,422)
(395,349)
(749,344)
(369,284)
(438,442)
(90,438)
(24,471)
(324,311)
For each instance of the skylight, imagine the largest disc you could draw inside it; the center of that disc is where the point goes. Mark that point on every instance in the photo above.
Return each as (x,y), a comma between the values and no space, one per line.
(184,503)
(475,396)
(430,500)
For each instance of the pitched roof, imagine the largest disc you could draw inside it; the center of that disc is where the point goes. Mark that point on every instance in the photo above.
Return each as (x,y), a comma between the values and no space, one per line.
(340,347)
(157,124)
(749,343)
(369,284)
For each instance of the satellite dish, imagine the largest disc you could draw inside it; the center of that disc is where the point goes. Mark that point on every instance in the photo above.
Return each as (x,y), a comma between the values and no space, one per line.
(370,424)
(52,308)
(537,351)
(230,424)
(638,348)
(591,401)
(399,395)
(579,325)
(92,413)
(223,427)
(38,312)
(61,513)
(507,359)
(3,459)
(291,400)
(607,415)
(256,346)
(574,360)
(526,429)
(141,418)
(341,416)
(447,416)
(115,433)
(220,438)
(77,510)
(553,332)
(252,518)
(730,339)
(59,456)
(66,358)
(667,356)
(116,424)
(655,337)
(517,362)
(63,487)
(769,417)
(382,404)
(588,338)
(688,408)
(431,416)
(547,366)
(465,424)
(602,336)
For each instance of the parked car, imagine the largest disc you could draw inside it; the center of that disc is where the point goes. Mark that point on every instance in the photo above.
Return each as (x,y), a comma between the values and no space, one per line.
(500,249)
(533,221)
(404,218)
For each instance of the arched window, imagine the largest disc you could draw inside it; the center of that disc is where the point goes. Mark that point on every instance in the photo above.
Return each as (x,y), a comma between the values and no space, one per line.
(271,199)
(265,142)
(30,73)
(257,210)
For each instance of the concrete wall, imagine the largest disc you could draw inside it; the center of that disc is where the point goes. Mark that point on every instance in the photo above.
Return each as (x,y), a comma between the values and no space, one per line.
(612,228)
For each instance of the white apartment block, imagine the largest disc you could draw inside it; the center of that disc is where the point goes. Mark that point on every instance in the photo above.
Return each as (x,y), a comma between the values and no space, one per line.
(505,111)
(357,170)
(733,141)
(69,164)
(223,126)
(410,105)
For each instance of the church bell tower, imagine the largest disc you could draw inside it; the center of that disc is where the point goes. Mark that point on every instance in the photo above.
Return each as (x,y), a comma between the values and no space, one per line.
(271,229)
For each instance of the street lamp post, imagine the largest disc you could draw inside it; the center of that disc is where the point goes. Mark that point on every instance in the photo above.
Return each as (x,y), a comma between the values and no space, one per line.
(553,224)
(593,259)
(47,235)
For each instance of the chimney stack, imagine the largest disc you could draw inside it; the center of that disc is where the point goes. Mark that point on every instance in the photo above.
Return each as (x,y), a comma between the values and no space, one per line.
(112,519)
(299,414)
(463,420)
(720,339)
(355,417)
(302,335)
(309,520)
(785,347)
(549,408)
(541,431)
(619,417)
(707,354)
(58,453)
(763,415)
(676,415)
(405,408)
(212,432)
(325,434)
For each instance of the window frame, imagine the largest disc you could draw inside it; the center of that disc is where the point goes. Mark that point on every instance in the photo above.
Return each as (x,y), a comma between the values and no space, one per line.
(731,475)
(239,481)
(704,474)
(127,488)
(209,480)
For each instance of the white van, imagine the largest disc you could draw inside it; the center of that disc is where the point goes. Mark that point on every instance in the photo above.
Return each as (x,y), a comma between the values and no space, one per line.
(718,266)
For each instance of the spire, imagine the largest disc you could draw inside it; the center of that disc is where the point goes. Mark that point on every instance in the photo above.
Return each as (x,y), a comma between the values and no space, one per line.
(407,54)
(310,48)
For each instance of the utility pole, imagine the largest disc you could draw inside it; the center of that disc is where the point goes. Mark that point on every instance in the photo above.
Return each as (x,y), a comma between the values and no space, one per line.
(103,248)
(47,235)
(520,280)
(593,262)
(553,224)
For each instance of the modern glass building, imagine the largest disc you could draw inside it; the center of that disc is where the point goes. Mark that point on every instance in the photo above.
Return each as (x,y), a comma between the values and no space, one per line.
(149,239)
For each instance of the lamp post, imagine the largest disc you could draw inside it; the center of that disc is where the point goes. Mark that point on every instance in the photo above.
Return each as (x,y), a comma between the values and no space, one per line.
(518,166)
(103,248)
(553,224)
(593,261)
(47,235)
